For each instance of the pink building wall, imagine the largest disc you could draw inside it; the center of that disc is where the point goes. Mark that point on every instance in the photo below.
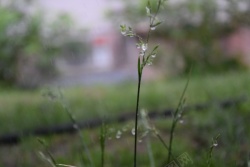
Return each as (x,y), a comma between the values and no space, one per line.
(238,43)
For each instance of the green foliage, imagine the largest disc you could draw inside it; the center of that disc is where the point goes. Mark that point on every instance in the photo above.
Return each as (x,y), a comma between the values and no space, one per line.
(99,101)
(193,136)
(144,59)
(231,123)
(195,28)
(28,44)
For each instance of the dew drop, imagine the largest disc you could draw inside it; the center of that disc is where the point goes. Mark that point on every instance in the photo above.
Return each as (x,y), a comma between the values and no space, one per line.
(133,131)
(153,28)
(144,47)
(124,33)
(153,55)
(181,121)
(140,141)
(118,134)
(215,144)
(149,63)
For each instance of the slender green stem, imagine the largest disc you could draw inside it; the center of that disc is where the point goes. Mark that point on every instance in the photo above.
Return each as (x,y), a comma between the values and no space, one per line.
(165,145)
(171,140)
(102,143)
(136,117)
(210,152)
(76,127)
(150,153)
(140,69)
(175,117)
(152,19)
(51,159)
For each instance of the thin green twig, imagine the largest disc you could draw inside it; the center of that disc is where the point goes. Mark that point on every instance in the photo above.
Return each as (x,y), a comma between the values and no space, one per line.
(50,159)
(175,117)
(210,152)
(143,60)
(76,127)
(102,143)
(136,115)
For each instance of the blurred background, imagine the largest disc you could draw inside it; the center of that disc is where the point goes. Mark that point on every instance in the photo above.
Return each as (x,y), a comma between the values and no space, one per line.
(79,42)
(70,55)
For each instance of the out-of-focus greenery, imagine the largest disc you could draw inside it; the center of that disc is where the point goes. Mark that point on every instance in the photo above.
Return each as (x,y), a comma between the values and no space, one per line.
(29,43)
(195,28)
(27,110)
(40,108)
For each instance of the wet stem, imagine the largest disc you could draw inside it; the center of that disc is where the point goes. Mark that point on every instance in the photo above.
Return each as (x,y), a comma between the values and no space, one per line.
(102,143)
(136,114)
(140,69)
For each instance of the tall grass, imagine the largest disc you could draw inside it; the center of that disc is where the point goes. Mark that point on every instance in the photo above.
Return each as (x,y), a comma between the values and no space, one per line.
(144,58)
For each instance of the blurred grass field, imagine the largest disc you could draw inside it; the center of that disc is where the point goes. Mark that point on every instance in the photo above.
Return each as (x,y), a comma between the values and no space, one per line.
(22,110)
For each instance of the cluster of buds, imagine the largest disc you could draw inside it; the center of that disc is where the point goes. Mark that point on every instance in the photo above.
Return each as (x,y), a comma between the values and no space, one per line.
(143,46)
(127,31)
(150,57)
(147,59)
(154,21)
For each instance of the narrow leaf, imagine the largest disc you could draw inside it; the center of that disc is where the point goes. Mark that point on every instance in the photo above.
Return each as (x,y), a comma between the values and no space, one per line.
(155,48)
(156,24)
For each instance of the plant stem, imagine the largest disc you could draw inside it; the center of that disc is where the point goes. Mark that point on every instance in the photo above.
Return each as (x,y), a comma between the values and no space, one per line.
(136,116)
(150,153)
(175,116)
(210,152)
(76,127)
(102,143)
(171,141)
(51,159)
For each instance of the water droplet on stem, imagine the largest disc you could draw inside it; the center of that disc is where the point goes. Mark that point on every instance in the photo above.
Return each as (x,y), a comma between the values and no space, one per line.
(153,28)
(144,47)
(153,55)
(133,131)
(149,63)
(123,33)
